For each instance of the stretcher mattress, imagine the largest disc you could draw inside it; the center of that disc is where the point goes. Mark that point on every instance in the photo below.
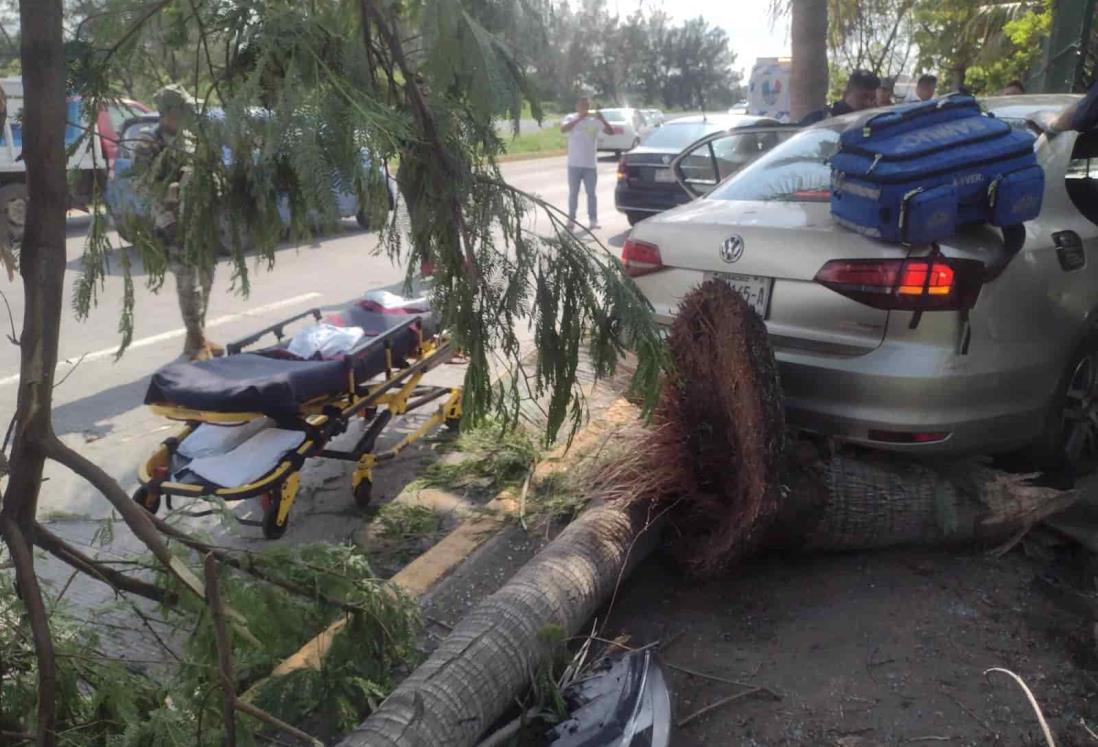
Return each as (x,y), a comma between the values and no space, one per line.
(274,382)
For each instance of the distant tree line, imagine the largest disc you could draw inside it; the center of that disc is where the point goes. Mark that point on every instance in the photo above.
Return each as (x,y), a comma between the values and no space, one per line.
(643,58)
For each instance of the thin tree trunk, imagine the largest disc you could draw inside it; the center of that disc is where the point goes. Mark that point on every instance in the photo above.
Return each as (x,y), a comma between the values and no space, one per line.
(958,74)
(42,257)
(42,265)
(472,678)
(808,79)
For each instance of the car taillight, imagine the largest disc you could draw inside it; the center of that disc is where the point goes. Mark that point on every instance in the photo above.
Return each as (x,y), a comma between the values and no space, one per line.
(927,284)
(640,258)
(618,130)
(623,171)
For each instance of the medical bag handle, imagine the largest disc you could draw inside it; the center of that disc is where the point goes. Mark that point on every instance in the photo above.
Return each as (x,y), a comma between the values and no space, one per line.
(949,101)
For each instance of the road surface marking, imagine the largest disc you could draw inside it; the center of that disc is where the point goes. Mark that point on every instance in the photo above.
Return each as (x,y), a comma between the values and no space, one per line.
(174,333)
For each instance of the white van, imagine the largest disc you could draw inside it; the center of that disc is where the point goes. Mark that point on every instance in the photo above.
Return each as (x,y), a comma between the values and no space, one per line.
(86,166)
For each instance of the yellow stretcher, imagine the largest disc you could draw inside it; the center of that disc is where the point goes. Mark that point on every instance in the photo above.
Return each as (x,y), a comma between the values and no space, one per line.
(381,378)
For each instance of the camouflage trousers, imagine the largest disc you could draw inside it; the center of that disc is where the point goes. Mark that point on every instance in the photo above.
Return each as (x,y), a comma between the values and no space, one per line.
(192,286)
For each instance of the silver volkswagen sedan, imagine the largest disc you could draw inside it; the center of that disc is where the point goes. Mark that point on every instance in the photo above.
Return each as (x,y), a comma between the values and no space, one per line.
(1005,359)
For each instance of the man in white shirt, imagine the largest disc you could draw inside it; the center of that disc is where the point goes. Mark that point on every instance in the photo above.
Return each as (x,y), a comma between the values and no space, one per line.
(582,129)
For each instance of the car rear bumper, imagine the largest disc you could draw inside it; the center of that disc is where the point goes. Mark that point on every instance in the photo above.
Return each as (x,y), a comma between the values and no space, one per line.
(629,199)
(884,397)
(899,393)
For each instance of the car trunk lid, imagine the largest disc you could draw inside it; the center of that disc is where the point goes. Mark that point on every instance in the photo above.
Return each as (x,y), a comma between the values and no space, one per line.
(777,248)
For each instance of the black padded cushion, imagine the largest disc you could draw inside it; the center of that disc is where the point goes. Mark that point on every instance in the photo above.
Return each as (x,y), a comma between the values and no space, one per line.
(275,383)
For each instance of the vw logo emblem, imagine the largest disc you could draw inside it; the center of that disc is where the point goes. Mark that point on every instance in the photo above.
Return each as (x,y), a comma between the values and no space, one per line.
(732,249)
(666,159)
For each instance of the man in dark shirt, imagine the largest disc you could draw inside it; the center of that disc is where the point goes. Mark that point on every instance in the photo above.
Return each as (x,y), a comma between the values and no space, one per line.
(860,93)
(1080,116)
(160,164)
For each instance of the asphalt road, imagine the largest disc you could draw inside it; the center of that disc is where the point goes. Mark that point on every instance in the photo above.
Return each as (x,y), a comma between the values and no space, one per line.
(98,404)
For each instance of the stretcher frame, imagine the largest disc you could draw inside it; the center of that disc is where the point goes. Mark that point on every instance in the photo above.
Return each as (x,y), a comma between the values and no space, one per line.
(321,419)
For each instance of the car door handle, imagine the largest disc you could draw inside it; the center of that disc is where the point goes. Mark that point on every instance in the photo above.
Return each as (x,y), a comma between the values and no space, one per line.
(1070,252)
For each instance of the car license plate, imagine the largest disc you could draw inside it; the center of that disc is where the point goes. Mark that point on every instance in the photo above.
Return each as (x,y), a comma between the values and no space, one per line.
(664,175)
(754,289)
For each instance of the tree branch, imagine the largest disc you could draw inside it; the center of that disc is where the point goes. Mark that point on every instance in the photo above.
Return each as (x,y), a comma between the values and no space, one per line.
(224,650)
(250,568)
(136,517)
(68,554)
(225,667)
(133,29)
(371,10)
(31,594)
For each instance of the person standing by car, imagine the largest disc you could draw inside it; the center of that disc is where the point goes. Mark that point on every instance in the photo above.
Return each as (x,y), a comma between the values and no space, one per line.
(884,93)
(160,163)
(924,89)
(583,129)
(860,93)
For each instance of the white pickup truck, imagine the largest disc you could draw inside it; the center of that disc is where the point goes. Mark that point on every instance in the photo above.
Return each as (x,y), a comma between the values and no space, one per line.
(87,166)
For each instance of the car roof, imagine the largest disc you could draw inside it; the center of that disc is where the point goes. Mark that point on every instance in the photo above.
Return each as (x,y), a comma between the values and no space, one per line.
(724,121)
(1028,106)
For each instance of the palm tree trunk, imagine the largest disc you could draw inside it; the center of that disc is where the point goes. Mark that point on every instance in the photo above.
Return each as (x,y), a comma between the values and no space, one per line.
(698,463)
(472,678)
(808,81)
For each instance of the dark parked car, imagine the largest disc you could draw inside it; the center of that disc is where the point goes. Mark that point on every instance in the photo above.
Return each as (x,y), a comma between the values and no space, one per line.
(646,185)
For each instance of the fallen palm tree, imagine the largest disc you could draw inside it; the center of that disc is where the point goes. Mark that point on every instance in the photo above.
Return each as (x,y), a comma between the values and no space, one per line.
(715,473)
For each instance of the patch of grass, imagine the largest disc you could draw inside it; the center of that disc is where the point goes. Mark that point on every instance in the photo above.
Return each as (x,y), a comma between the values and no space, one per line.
(560,496)
(400,521)
(538,142)
(494,458)
(49,517)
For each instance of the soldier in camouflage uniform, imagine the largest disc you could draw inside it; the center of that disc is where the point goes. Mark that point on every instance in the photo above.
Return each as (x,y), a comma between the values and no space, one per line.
(159,160)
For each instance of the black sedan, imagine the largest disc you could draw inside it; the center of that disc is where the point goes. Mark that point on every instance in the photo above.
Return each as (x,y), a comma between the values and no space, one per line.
(646,185)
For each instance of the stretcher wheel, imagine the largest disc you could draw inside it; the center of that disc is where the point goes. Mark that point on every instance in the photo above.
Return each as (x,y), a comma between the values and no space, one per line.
(272,530)
(453,425)
(147,499)
(364,493)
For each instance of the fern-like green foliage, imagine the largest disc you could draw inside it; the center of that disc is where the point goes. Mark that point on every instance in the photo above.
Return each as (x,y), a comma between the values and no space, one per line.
(102,701)
(308,90)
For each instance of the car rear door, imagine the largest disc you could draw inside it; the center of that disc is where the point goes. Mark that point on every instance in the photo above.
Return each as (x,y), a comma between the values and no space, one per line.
(765,227)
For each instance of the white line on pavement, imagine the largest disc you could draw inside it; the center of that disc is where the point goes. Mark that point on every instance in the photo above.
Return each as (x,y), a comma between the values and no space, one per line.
(171,334)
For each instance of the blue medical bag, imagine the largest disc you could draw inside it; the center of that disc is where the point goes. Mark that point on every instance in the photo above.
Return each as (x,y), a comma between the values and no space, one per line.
(915,173)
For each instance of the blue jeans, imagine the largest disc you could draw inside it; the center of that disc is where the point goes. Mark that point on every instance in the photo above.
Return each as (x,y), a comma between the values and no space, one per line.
(589,177)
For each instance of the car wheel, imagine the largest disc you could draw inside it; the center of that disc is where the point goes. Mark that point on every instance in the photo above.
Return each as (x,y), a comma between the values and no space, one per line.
(1070,438)
(634,217)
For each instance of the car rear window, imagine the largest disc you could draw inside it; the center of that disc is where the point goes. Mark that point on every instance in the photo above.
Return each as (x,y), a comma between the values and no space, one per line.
(613,115)
(678,136)
(796,170)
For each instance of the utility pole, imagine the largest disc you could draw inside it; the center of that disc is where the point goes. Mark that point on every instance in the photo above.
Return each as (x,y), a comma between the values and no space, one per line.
(1066,49)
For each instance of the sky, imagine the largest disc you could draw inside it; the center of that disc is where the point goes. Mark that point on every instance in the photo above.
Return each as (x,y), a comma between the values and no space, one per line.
(746,21)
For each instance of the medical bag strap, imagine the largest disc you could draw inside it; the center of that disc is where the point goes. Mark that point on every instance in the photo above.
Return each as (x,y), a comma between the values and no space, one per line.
(1014,238)
(935,253)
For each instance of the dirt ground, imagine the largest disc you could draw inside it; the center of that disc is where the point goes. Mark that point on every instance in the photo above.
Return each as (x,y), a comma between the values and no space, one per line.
(882,648)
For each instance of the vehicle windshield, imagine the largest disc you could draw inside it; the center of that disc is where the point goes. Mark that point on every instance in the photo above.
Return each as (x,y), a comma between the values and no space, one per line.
(121,112)
(129,137)
(614,115)
(798,169)
(676,136)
